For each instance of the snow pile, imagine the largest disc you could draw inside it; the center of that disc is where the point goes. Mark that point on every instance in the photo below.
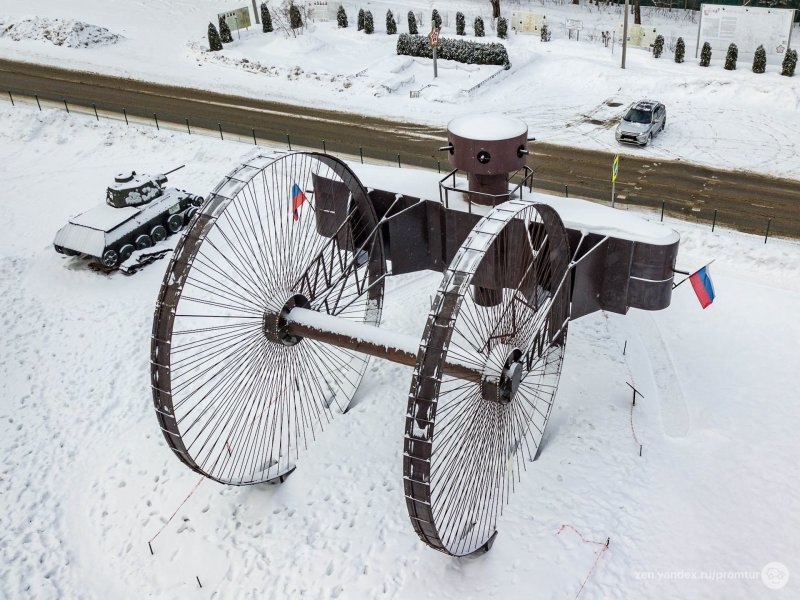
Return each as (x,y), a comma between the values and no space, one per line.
(60,32)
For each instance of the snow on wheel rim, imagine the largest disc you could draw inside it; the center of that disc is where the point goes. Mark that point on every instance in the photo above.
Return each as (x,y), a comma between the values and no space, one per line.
(234,402)
(465,440)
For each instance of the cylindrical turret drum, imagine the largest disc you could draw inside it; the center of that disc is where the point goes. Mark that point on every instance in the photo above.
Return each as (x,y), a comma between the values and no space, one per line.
(488,148)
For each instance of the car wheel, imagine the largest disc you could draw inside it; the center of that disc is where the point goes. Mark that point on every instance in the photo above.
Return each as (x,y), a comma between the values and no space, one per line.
(109,258)
(125,252)
(143,241)
(174,223)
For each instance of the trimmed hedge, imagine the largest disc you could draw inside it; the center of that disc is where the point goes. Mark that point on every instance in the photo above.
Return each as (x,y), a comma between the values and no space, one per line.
(462,51)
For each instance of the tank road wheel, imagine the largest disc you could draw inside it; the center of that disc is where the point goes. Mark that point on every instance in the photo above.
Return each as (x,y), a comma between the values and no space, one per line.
(503,309)
(110,258)
(158,233)
(174,223)
(143,241)
(125,252)
(238,398)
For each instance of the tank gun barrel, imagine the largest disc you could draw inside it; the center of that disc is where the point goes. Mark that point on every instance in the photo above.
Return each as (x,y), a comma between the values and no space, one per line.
(175,169)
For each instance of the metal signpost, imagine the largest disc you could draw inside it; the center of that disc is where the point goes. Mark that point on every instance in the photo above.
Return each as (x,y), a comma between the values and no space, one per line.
(433,40)
(614,171)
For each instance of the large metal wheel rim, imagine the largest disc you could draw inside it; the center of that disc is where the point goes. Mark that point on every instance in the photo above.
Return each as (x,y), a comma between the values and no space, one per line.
(232,195)
(456,483)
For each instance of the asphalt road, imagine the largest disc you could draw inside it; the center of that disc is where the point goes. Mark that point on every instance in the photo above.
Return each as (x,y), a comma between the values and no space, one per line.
(744,200)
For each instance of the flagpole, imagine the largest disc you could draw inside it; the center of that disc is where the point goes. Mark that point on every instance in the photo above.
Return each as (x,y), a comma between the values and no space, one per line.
(689,274)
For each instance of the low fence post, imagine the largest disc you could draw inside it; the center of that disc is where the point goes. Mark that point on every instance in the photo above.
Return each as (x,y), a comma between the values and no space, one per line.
(289,141)
(398,162)
(766,236)
(566,191)
(94,106)
(662,210)
(155,117)
(125,113)
(439,166)
(255,143)
(714,222)
(66,106)
(187,126)
(12,99)
(361,153)
(324,149)
(37,101)
(219,126)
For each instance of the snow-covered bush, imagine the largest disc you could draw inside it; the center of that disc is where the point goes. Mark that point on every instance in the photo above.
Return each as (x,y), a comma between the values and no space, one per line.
(789,63)
(705,55)
(295,18)
(360,19)
(341,18)
(462,51)
(760,60)
(730,58)
(461,23)
(545,33)
(412,23)
(680,50)
(369,25)
(391,25)
(225,32)
(266,18)
(214,41)
(658,46)
(502,28)
(436,19)
(478,25)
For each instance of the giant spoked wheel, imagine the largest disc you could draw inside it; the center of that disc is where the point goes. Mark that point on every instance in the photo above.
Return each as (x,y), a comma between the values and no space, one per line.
(502,311)
(237,397)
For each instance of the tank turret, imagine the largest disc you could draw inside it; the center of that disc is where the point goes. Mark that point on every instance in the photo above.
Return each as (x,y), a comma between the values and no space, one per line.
(130,189)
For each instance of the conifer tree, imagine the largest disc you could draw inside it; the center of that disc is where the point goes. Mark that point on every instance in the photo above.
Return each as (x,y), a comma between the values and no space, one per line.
(391,25)
(705,55)
(760,60)
(225,32)
(658,46)
(412,23)
(460,23)
(545,33)
(369,25)
(478,27)
(502,28)
(266,18)
(730,58)
(680,50)
(341,18)
(360,19)
(214,42)
(789,63)
(295,18)
(436,19)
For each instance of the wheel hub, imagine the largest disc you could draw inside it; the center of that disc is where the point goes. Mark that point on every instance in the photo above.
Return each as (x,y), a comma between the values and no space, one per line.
(500,385)
(275,324)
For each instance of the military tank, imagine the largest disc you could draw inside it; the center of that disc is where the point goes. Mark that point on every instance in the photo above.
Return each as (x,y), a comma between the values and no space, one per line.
(139,212)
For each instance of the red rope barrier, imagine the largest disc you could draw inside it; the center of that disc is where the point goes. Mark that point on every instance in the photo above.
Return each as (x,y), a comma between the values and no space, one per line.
(194,489)
(598,556)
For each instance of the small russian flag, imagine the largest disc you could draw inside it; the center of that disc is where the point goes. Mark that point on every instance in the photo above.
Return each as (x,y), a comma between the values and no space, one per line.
(298,197)
(703,287)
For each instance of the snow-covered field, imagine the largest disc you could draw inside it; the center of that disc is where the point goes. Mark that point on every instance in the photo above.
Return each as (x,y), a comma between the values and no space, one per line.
(569,92)
(86,477)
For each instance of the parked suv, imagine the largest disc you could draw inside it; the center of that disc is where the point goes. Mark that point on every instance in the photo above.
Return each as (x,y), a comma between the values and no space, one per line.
(643,121)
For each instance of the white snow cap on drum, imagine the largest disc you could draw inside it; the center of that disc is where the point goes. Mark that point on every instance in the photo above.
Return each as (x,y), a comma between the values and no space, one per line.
(487,127)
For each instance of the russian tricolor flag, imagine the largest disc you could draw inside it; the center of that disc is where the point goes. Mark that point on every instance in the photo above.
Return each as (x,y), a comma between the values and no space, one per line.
(703,287)
(298,197)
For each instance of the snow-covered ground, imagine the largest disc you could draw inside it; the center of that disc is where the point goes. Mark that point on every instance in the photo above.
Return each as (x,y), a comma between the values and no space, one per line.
(569,92)
(87,479)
